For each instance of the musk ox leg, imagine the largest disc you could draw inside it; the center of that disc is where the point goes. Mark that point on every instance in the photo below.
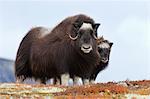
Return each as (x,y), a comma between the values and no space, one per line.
(85,81)
(76,80)
(92,81)
(52,81)
(65,79)
(57,81)
(20,79)
(42,81)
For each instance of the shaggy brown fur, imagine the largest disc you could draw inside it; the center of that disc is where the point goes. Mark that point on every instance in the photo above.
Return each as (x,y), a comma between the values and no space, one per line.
(55,53)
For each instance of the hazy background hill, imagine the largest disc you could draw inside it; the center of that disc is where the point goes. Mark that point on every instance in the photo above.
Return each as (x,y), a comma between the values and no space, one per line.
(7,70)
(7,73)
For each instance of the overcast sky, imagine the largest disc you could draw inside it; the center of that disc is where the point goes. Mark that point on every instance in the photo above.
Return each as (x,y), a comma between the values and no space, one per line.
(126,23)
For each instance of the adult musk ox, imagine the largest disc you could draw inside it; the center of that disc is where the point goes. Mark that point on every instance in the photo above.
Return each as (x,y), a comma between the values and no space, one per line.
(70,48)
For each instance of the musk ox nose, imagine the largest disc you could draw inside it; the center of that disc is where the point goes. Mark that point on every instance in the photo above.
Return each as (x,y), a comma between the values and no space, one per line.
(104,60)
(86,48)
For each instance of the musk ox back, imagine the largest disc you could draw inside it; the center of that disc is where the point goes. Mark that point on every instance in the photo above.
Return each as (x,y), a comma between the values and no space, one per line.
(69,48)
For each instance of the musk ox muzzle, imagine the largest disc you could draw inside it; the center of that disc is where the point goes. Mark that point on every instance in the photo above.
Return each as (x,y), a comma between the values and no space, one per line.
(86,48)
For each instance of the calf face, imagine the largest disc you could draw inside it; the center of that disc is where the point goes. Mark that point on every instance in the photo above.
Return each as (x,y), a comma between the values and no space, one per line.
(104,48)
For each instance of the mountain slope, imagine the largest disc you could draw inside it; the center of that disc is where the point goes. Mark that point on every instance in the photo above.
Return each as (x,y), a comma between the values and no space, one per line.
(6,70)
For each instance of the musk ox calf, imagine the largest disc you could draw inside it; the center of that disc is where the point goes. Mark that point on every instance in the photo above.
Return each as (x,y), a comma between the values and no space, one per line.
(104,48)
(70,48)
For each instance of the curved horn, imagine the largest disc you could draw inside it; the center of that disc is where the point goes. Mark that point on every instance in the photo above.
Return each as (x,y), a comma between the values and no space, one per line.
(73,38)
(95,36)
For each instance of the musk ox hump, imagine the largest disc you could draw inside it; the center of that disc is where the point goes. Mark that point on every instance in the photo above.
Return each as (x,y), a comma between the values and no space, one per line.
(44,31)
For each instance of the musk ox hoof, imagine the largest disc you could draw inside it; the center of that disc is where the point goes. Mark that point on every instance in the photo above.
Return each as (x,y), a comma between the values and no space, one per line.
(76,80)
(65,79)
(92,81)
(85,81)
(20,79)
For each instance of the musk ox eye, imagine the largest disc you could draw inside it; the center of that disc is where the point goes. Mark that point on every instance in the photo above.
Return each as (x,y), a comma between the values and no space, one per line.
(92,32)
(99,50)
(76,25)
(81,32)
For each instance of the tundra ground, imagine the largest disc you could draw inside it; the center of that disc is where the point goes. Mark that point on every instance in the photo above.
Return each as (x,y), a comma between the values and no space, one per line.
(115,90)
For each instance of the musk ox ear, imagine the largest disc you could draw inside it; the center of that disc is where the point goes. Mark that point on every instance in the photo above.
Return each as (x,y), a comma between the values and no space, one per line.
(100,39)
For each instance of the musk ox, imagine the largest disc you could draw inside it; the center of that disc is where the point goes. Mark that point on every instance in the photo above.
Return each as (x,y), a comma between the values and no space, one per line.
(104,48)
(68,49)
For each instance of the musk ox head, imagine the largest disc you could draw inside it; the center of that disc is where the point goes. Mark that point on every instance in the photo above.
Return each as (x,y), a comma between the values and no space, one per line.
(104,48)
(85,36)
